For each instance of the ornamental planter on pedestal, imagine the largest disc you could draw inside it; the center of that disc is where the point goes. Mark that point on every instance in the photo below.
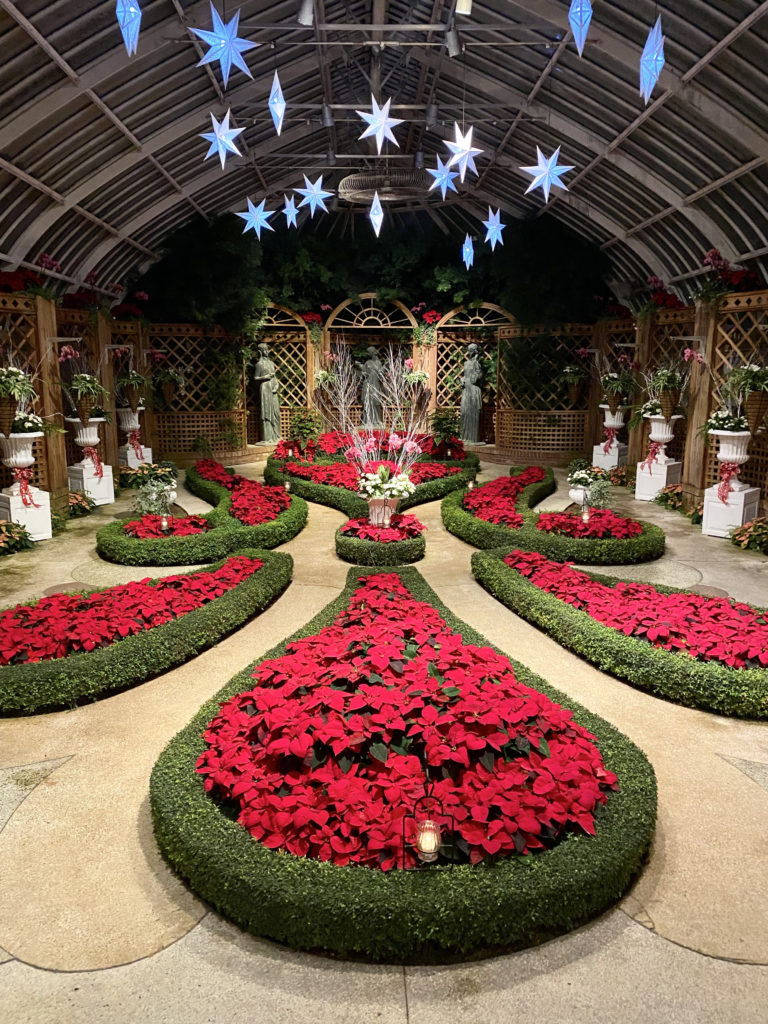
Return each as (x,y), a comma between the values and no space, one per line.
(90,475)
(21,503)
(611,453)
(381,510)
(658,470)
(578,495)
(730,503)
(132,454)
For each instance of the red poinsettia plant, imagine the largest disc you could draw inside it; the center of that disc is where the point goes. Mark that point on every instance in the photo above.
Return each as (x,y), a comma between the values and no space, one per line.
(328,751)
(150,527)
(602,524)
(706,628)
(252,503)
(496,501)
(401,527)
(65,624)
(347,475)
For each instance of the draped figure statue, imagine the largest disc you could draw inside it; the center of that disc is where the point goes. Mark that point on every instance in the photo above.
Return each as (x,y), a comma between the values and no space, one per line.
(370,392)
(471,397)
(264,374)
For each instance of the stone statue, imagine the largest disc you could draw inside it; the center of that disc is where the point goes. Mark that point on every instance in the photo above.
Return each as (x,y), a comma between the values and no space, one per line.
(370,393)
(269,404)
(471,397)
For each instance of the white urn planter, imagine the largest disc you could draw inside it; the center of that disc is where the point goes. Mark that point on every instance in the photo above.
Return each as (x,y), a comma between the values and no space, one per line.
(658,470)
(21,502)
(730,503)
(91,474)
(133,453)
(578,495)
(381,510)
(611,453)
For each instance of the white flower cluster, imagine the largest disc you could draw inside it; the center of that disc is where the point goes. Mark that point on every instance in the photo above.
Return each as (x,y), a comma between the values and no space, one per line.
(582,477)
(27,423)
(11,372)
(382,485)
(724,420)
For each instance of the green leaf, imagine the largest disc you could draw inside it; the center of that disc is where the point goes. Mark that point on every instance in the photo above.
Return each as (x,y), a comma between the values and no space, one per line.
(544,747)
(451,691)
(380,752)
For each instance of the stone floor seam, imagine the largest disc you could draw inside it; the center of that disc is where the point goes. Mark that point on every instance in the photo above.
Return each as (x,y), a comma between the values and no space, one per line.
(692,949)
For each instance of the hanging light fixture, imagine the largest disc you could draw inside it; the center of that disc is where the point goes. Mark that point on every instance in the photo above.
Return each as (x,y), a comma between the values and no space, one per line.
(454,43)
(328,121)
(430,119)
(418,160)
(463,6)
(306,13)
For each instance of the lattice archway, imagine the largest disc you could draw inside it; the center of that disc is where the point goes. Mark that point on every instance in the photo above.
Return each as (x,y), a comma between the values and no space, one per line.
(487,314)
(290,349)
(365,313)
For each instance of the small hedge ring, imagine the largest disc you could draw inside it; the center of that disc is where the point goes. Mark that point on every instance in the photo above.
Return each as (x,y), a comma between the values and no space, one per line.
(375,552)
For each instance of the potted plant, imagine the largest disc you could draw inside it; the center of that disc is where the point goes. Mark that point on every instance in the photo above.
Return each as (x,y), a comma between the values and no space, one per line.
(573,376)
(382,489)
(751,383)
(134,386)
(581,477)
(667,385)
(15,387)
(87,391)
(618,387)
(170,381)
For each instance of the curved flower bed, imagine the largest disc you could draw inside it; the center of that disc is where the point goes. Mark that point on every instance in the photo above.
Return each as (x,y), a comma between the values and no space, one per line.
(246,513)
(500,514)
(321,763)
(70,647)
(704,652)
(175,526)
(360,542)
(335,444)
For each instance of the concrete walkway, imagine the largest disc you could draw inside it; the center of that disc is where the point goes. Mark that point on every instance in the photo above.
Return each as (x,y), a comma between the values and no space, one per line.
(96,929)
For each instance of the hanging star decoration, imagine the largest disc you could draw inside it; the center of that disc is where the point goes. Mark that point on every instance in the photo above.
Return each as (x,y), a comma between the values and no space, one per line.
(277,103)
(579,17)
(546,173)
(290,211)
(129,19)
(379,123)
(313,195)
(222,138)
(376,214)
(494,227)
(468,252)
(256,218)
(463,153)
(443,176)
(225,46)
(652,60)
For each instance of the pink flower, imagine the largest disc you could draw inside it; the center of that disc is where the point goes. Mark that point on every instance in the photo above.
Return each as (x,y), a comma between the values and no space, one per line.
(411,448)
(141,296)
(325,305)
(690,354)
(583,353)
(409,364)
(352,455)
(395,443)
(371,445)
(655,282)
(67,352)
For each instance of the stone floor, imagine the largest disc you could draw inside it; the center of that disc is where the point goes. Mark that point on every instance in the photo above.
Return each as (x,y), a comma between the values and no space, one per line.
(95,930)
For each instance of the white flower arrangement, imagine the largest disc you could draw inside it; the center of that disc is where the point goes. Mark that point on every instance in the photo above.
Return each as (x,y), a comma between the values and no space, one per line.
(382,484)
(722,419)
(582,477)
(28,423)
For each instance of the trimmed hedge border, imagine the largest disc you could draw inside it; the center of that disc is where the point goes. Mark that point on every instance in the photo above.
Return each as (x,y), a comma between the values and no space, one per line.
(44,685)
(375,552)
(355,507)
(226,532)
(741,693)
(646,547)
(430,915)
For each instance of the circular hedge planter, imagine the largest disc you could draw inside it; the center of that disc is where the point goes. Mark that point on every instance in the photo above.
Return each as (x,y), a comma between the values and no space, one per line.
(374,552)
(38,686)
(646,547)
(225,534)
(430,915)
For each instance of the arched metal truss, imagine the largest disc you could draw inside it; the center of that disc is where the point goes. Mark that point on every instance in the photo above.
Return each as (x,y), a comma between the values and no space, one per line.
(100,157)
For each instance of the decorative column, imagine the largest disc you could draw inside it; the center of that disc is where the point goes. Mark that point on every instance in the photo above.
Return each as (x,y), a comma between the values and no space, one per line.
(644,329)
(699,404)
(425,358)
(103,338)
(594,426)
(50,406)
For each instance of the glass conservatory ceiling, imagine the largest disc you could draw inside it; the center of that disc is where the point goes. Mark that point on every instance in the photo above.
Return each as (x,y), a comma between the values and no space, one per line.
(100,155)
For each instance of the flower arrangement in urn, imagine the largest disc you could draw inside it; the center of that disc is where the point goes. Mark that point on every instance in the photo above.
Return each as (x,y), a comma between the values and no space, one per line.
(15,388)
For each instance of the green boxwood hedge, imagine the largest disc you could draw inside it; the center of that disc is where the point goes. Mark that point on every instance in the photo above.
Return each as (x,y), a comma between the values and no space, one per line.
(433,914)
(643,548)
(226,532)
(676,677)
(353,506)
(41,686)
(374,552)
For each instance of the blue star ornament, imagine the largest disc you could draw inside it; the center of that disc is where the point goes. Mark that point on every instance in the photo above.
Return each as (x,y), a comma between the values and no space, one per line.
(222,138)
(129,18)
(652,60)
(256,218)
(225,46)
(277,103)
(443,176)
(580,16)
(376,213)
(468,252)
(494,227)
(546,173)
(379,123)
(290,211)
(463,153)
(314,195)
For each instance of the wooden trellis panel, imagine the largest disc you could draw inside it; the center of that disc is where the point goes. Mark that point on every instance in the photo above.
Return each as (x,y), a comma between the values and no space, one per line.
(177,432)
(665,346)
(451,356)
(620,337)
(742,332)
(80,325)
(555,434)
(18,342)
(288,351)
(187,347)
(541,389)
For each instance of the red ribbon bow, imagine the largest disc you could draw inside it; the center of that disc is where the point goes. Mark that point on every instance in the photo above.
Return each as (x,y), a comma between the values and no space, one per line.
(653,454)
(610,437)
(728,470)
(23,478)
(90,453)
(134,442)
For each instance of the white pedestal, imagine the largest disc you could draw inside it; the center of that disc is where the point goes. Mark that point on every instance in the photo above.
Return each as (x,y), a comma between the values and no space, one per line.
(82,477)
(129,458)
(616,455)
(654,478)
(36,520)
(720,519)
